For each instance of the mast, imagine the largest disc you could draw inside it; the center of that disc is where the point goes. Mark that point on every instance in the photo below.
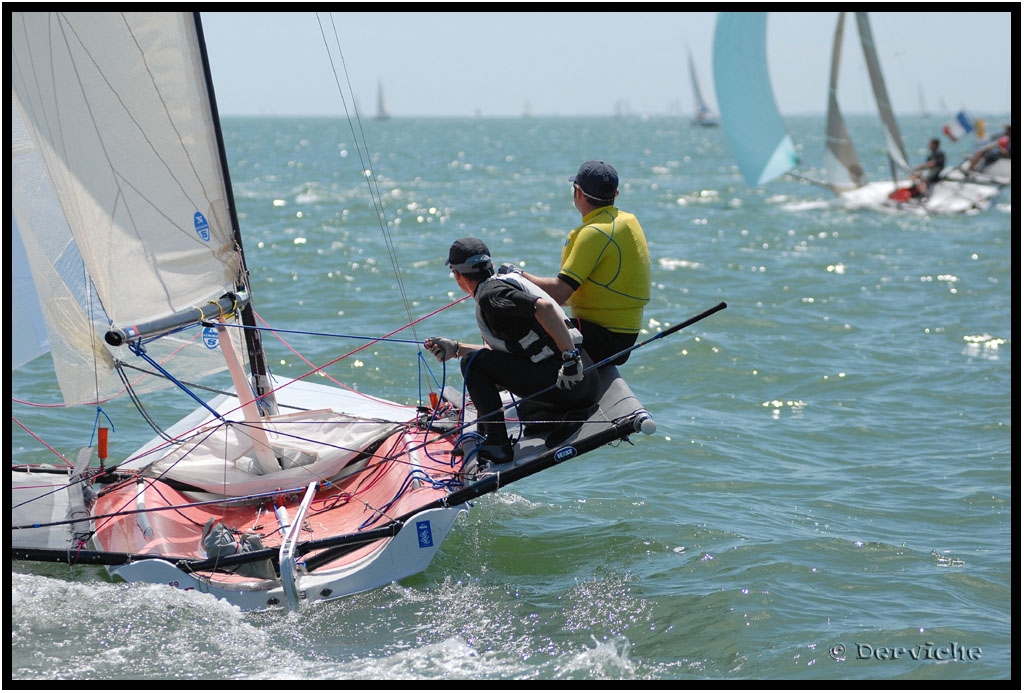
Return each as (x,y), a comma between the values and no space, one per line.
(266,400)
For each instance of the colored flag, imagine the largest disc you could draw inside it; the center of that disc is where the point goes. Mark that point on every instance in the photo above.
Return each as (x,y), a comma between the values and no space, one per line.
(958,127)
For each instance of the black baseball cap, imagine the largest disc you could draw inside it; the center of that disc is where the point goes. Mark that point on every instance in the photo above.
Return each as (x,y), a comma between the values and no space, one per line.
(597,179)
(469,255)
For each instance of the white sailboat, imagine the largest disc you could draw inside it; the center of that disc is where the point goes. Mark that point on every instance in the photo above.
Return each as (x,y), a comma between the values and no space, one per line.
(383,110)
(944,197)
(990,172)
(277,491)
(844,173)
(989,163)
(702,114)
(764,149)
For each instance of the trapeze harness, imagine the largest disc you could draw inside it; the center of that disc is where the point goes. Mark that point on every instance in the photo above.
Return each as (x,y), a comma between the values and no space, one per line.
(529,345)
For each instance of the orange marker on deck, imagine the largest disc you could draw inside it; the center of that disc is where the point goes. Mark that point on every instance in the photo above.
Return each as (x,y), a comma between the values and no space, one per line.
(103,443)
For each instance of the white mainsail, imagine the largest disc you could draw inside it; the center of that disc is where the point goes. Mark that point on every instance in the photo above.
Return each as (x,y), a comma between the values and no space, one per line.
(123,205)
(893,139)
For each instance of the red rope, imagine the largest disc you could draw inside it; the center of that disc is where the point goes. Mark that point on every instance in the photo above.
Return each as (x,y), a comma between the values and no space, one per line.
(41,441)
(354,351)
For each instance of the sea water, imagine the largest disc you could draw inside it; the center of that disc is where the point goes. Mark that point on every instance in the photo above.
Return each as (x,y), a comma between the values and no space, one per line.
(828,493)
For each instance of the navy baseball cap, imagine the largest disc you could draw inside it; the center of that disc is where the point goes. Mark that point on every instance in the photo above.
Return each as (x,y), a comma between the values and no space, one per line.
(597,179)
(469,255)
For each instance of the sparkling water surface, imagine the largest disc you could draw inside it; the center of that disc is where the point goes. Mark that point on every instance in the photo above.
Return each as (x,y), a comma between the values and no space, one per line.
(828,493)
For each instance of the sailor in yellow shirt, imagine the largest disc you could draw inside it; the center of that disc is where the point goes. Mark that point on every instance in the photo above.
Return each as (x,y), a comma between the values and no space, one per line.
(606,268)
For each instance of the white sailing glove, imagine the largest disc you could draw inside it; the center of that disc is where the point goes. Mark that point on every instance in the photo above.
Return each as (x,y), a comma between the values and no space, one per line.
(509,268)
(442,348)
(571,372)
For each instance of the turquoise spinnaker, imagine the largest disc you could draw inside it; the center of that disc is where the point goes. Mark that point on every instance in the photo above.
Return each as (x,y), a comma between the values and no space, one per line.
(757,136)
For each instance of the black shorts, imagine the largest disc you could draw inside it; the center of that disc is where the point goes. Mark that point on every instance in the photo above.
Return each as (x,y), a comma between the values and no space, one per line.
(601,343)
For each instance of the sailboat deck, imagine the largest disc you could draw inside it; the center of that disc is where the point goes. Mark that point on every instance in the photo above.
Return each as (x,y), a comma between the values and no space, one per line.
(170,521)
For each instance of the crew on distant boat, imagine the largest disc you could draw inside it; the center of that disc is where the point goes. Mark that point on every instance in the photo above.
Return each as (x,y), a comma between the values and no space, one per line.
(926,174)
(530,348)
(999,148)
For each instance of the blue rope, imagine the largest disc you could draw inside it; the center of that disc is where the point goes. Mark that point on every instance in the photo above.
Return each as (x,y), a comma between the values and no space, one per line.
(137,349)
(96,424)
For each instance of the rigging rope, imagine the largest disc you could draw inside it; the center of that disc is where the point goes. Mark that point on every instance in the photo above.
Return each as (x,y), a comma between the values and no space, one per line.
(367,165)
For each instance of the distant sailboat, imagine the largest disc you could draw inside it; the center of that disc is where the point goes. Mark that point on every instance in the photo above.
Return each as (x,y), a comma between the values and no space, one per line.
(383,112)
(702,114)
(764,149)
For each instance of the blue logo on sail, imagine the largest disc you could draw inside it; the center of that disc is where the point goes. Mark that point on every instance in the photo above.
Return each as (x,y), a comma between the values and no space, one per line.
(424,534)
(202,226)
(210,338)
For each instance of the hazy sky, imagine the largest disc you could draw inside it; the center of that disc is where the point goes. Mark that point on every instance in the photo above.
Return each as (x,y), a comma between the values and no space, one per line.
(577,63)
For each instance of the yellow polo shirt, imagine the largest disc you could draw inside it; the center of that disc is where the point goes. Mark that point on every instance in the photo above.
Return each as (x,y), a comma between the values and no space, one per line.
(607,257)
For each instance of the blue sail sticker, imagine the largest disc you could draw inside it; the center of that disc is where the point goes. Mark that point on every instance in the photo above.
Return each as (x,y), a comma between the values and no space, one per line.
(202,226)
(423,532)
(210,338)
